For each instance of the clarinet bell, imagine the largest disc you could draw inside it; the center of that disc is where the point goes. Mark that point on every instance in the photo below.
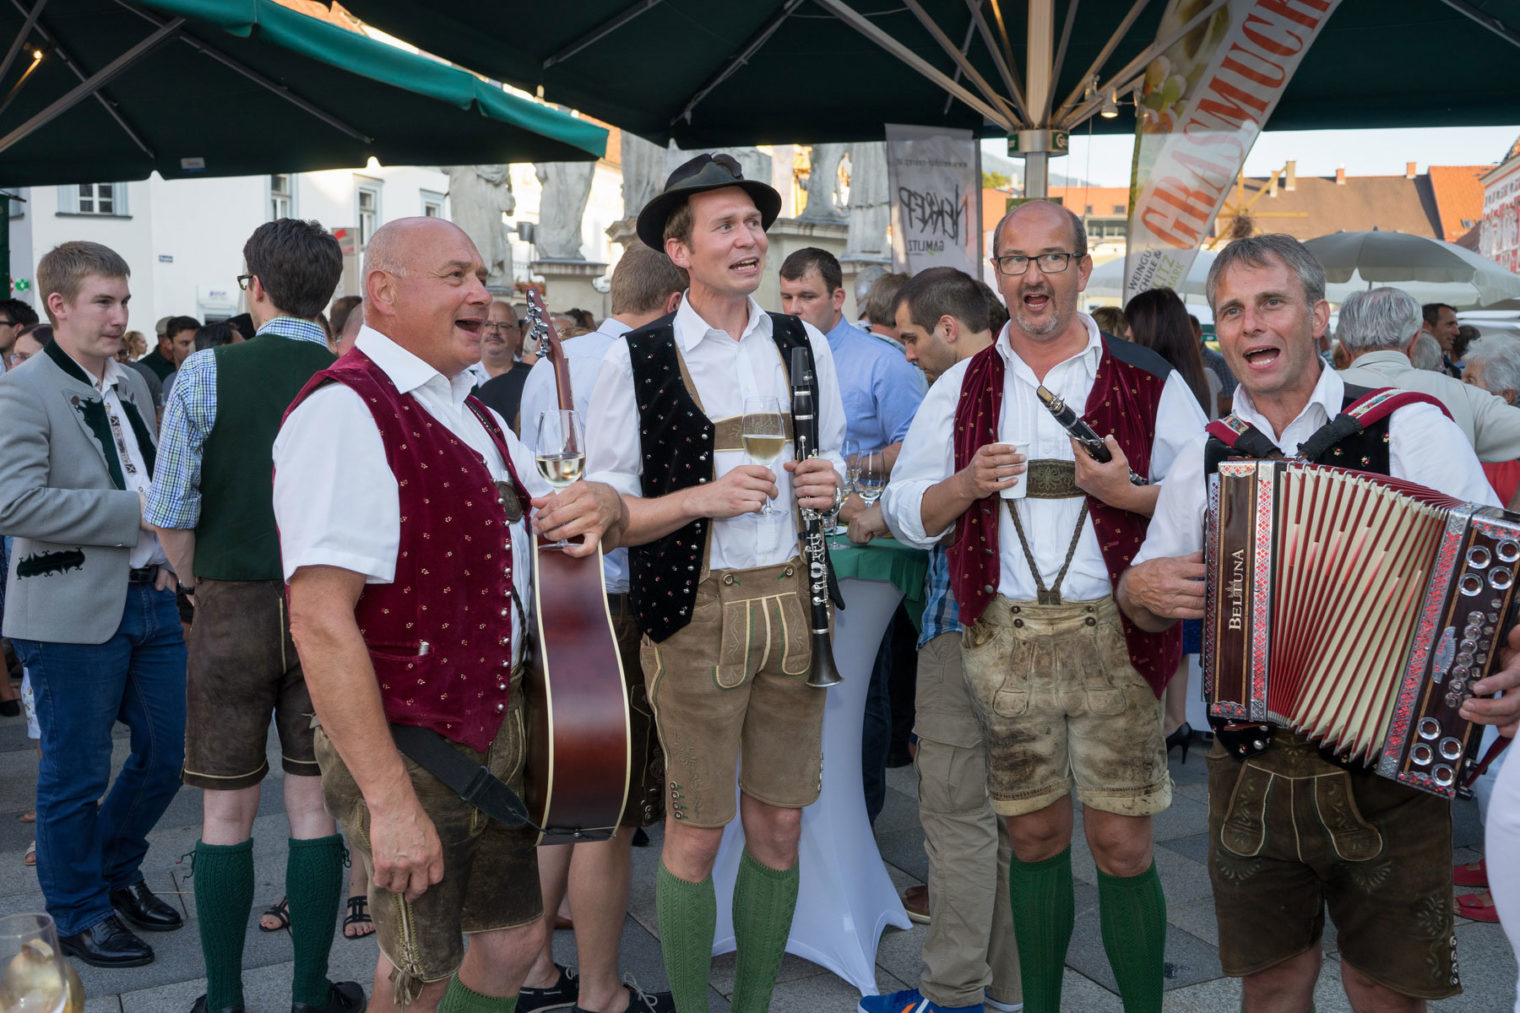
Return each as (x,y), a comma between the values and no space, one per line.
(823,674)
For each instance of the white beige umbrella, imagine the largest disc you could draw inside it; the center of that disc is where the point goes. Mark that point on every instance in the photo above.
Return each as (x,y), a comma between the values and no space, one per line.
(1426,268)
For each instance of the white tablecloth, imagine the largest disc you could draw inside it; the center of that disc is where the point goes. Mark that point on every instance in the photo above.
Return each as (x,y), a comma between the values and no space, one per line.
(846,898)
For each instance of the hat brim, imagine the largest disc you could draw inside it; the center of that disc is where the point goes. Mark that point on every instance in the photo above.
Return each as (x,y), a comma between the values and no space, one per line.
(651,221)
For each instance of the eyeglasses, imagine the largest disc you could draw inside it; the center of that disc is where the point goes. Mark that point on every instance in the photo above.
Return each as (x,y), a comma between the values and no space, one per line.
(1015,264)
(7,323)
(243,280)
(499,326)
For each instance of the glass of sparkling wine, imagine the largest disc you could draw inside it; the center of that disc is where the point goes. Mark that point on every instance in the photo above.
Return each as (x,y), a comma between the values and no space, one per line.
(561,455)
(871,475)
(764,436)
(34,977)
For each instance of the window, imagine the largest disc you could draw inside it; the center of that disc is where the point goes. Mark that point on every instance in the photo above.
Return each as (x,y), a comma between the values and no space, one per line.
(1119,209)
(432,204)
(93,199)
(282,195)
(367,197)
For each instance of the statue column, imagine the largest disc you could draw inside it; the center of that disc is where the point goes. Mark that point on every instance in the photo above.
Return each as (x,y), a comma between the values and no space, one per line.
(557,246)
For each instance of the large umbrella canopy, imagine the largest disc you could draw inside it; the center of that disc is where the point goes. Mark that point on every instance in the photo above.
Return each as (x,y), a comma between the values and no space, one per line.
(234,87)
(714,74)
(1427,268)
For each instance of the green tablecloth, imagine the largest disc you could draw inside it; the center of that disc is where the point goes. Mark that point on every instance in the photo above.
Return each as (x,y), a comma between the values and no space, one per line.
(884,559)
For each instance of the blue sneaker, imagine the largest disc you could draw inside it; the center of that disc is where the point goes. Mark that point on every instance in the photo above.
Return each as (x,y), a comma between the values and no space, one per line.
(910,1001)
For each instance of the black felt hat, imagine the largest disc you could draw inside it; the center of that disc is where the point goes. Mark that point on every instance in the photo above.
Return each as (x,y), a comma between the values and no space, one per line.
(705,172)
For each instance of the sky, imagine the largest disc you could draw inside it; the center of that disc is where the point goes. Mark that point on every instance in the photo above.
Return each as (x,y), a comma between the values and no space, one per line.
(1104,160)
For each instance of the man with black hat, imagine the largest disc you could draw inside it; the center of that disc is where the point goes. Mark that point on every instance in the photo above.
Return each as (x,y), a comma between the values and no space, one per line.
(720,592)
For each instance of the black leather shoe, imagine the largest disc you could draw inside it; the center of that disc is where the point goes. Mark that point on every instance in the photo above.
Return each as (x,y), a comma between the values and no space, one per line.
(108,943)
(201,1007)
(141,909)
(342,997)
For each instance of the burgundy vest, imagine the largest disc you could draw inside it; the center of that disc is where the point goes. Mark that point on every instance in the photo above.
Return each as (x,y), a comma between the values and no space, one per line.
(1124,399)
(440,634)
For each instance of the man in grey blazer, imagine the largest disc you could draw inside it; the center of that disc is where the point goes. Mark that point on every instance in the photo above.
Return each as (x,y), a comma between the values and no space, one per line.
(90,607)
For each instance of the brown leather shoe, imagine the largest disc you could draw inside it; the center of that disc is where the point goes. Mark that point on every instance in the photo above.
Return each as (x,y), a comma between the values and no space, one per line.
(916,900)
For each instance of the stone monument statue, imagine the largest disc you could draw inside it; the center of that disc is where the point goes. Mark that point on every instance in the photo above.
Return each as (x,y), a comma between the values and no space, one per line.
(566,187)
(644,172)
(825,201)
(870,202)
(479,195)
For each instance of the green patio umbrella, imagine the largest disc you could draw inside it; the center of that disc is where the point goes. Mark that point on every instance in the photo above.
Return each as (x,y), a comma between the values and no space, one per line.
(711,74)
(123,88)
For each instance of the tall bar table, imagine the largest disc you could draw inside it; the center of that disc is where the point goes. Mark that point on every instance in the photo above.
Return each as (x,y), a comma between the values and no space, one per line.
(846,898)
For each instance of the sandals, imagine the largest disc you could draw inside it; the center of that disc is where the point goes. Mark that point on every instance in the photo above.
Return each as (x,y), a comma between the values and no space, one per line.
(30,858)
(358,918)
(280,912)
(1477,906)
(1471,874)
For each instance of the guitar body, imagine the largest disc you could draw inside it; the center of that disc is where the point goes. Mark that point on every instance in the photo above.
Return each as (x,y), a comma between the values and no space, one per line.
(580,754)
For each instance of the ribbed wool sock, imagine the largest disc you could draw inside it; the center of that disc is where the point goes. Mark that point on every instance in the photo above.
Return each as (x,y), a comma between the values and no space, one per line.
(460,998)
(223,899)
(1044,911)
(313,884)
(764,900)
(1132,911)
(688,916)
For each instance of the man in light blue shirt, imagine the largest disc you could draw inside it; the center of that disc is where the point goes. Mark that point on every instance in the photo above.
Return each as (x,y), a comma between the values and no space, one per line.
(881,389)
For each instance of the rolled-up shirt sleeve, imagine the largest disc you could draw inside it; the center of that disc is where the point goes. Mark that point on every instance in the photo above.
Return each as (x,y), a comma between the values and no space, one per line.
(927,458)
(335,499)
(612,426)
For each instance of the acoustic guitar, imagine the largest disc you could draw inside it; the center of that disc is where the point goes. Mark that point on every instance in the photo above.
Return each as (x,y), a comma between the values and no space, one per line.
(580,755)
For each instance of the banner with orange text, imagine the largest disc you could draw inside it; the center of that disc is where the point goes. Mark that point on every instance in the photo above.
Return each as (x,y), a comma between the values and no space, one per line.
(1202,105)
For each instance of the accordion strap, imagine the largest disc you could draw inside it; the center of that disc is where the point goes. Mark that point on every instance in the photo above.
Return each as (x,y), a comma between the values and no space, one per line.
(1238,434)
(1366,410)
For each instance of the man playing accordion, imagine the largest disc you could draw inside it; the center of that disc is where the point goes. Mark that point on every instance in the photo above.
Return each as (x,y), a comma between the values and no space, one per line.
(1292,830)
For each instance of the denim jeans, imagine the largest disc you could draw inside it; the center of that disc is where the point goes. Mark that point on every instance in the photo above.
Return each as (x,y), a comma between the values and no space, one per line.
(138,678)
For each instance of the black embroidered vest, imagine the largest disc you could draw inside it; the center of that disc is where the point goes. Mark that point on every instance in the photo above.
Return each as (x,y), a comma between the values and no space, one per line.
(1343,441)
(676,450)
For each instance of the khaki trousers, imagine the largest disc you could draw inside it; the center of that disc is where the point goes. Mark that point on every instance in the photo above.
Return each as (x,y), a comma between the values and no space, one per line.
(969,947)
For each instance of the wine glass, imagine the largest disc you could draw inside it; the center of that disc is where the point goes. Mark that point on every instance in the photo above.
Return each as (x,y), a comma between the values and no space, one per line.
(34,977)
(561,454)
(764,436)
(871,475)
(850,451)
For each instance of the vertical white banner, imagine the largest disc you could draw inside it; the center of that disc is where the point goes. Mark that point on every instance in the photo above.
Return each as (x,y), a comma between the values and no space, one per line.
(1204,103)
(936,189)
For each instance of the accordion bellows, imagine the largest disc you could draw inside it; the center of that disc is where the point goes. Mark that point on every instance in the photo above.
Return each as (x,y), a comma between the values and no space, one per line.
(1357,610)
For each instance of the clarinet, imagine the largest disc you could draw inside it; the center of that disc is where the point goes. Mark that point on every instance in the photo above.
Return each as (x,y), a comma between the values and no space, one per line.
(1081,431)
(805,433)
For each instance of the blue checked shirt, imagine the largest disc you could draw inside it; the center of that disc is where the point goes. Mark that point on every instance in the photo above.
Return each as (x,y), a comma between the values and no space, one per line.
(941,614)
(189,414)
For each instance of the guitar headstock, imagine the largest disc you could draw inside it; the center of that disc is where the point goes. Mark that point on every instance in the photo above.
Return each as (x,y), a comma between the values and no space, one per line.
(541,327)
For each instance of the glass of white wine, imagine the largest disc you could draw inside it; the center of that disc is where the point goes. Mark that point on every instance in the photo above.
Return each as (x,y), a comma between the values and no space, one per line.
(561,455)
(871,475)
(34,976)
(764,436)
(850,451)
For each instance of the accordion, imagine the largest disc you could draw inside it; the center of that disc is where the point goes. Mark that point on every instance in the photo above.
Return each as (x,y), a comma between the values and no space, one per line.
(1356,610)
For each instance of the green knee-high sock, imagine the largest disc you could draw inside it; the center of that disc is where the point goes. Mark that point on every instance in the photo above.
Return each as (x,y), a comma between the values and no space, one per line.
(313,884)
(460,998)
(688,916)
(1044,910)
(1132,911)
(223,898)
(764,900)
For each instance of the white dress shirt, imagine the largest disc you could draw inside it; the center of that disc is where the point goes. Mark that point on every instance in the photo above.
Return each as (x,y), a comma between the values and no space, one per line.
(725,372)
(134,467)
(1424,446)
(583,355)
(335,498)
(928,457)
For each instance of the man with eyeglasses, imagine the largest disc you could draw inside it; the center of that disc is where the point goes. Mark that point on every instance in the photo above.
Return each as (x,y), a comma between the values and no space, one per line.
(14,315)
(501,342)
(1066,692)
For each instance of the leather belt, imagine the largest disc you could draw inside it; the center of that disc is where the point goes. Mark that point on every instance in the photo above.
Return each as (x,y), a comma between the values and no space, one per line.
(143,574)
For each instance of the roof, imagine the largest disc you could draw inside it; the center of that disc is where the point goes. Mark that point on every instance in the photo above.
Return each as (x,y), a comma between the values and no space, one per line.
(1318,206)
(1458,193)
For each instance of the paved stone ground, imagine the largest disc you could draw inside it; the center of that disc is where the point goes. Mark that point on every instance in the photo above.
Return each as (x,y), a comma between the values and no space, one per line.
(1196,984)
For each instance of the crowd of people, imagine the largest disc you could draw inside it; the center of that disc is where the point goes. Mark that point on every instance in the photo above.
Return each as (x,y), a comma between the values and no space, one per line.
(380,578)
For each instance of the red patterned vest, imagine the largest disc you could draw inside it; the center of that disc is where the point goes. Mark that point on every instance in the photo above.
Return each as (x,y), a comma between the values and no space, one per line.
(1125,396)
(440,634)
